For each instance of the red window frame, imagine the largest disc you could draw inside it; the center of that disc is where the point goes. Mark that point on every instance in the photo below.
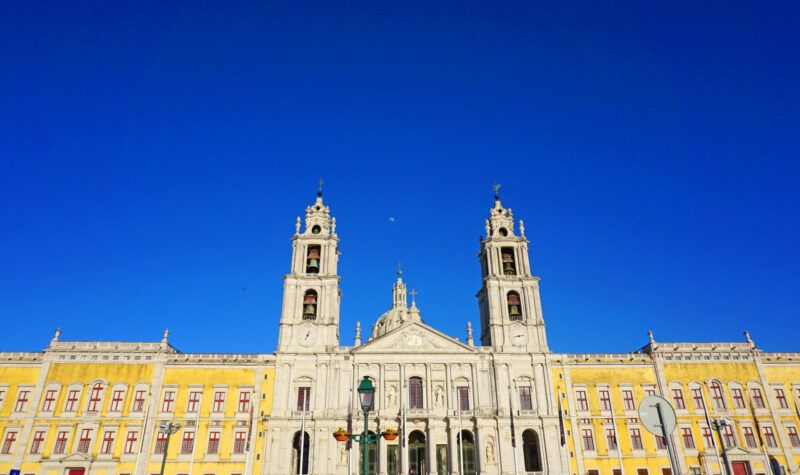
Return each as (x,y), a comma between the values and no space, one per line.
(463,398)
(697,397)
(194,401)
(61,442)
(627,399)
(727,437)
(187,444)
(72,400)
(219,401)
(108,442)
(688,438)
(415,393)
(588,439)
(749,437)
(161,442)
(677,396)
(116,400)
(84,441)
(213,442)
(738,398)
(49,399)
(650,392)
(525,401)
(717,396)
(769,437)
(605,400)
(611,439)
(794,439)
(239,441)
(94,398)
(22,401)
(8,443)
(661,442)
(138,401)
(36,445)
(636,439)
(168,404)
(580,400)
(781,397)
(708,437)
(244,401)
(130,441)
(758,398)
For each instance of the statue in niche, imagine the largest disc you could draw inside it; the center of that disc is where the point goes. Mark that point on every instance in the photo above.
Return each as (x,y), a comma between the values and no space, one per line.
(343,454)
(391,395)
(439,395)
(490,451)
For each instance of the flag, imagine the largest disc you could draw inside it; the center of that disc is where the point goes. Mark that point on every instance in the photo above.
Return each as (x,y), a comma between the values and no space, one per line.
(349,443)
(511,412)
(561,424)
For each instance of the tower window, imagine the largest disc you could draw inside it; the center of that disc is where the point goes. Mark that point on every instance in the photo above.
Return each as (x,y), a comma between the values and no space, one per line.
(316,229)
(312,260)
(310,305)
(507,257)
(514,306)
(503,232)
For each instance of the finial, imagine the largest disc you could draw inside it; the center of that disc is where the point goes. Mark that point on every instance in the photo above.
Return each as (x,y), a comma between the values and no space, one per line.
(166,335)
(333,225)
(521,228)
(57,334)
(470,340)
(297,226)
(496,188)
(413,295)
(749,340)
(650,337)
(399,270)
(488,229)
(357,340)
(319,190)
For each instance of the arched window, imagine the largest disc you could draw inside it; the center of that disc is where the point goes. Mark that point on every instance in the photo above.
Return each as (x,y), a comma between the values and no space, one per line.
(417,452)
(507,258)
(717,396)
(300,452)
(466,452)
(415,393)
(514,306)
(310,305)
(530,451)
(312,260)
(95,398)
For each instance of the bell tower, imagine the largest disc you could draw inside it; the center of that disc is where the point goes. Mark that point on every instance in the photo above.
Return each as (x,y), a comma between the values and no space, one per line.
(311,296)
(510,309)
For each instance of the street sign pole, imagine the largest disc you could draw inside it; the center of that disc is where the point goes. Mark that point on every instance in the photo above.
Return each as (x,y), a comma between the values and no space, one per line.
(658,417)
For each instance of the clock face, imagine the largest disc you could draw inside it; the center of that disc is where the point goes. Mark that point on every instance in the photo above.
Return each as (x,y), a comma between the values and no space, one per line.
(307,335)
(519,336)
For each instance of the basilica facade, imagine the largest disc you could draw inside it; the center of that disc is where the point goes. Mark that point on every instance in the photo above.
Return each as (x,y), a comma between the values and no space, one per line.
(500,402)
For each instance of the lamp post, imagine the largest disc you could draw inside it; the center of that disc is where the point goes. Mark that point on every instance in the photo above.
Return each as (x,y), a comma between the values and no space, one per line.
(366,396)
(168,428)
(718,425)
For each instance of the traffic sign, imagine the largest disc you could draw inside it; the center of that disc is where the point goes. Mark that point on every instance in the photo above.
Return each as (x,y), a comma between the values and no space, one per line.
(657,415)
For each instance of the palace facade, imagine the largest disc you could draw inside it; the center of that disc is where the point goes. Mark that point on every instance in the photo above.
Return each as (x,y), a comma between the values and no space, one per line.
(497,403)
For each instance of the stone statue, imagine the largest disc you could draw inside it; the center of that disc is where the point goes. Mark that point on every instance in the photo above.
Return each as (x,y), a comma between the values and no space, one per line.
(391,395)
(343,454)
(521,228)
(489,452)
(333,226)
(488,229)
(439,395)
(297,226)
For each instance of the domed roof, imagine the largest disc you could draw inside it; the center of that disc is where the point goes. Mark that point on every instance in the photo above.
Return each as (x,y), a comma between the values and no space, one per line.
(399,313)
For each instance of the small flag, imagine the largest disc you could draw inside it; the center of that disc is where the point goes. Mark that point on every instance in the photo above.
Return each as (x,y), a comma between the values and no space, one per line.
(561,424)
(349,443)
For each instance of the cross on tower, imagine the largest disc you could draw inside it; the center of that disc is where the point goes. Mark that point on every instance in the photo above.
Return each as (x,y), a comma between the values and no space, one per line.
(319,190)
(413,295)
(496,188)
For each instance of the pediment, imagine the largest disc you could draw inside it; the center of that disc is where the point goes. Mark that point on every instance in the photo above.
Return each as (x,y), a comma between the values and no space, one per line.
(414,337)
(76,457)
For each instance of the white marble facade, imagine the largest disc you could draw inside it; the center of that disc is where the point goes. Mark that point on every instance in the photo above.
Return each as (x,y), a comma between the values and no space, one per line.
(496,368)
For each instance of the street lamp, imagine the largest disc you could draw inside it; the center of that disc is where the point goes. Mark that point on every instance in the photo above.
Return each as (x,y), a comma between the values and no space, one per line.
(719,425)
(366,396)
(168,428)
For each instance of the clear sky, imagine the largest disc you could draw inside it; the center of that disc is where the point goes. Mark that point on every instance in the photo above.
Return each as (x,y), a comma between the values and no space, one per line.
(154,156)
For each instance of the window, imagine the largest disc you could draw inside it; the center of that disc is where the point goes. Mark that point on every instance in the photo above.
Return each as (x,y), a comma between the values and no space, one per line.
(49,400)
(738,399)
(695,471)
(72,400)
(36,445)
(636,439)
(415,393)
(641,471)
(22,401)
(769,437)
(688,439)
(588,439)
(138,401)
(463,398)
(611,439)
(161,442)
(239,442)
(749,437)
(507,258)
(61,442)
(194,402)
(697,397)
(130,441)
(169,401)
(708,438)
(187,444)
(793,437)
(650,392)
(716,395)
(514,306)
(116,400)
(244,401)
(758,398)
(303,396)
(108,442)
(213,442)
(219,401)
(581,401)
(677,396)
(312,260)
(781,397)
(525,401)
(592,471)
(661,443)
(8,443)
(85,441)
(727,437)
(94,398)
(310,305)
(605,400)
(627,400)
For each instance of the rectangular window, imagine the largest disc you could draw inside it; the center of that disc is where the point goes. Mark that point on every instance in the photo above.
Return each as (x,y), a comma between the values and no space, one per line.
(716,395)
(194,402)
(239,441)
(641,471)
(169,401)
(769,437)
(219,401)
(116,400)
(22,401)
(463,398)
(758,398)
(130,441)
(138,402)
(580,400)
(688,439)
(738,398)
(161,442)
(605,400)
(627,400)
(650,392)
(85,441)
(8,443)
(611,439)
(213,442)
(588,439)
(794,439)
(636,439)
(49,400)
(244,401)
(36,445)
(727,437)
(72,400)
(781,397)
(415,393)
(525,401)
(661,443)
(708,438)
(61,442)
(749,437)
(303,396)
(697,397)
(108,442)
(677,396)
(94,398)
(187,445)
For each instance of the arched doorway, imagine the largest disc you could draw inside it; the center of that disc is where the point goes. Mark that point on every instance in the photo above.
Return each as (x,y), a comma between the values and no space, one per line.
(372,449)
(530,451)
(296,450)
(416,453)
(468,451)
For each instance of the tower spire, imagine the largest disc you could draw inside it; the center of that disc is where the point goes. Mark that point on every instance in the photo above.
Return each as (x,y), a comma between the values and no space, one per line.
(319,190)
(496,187)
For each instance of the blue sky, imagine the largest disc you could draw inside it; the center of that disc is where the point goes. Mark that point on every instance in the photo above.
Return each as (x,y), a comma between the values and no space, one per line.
(154,156)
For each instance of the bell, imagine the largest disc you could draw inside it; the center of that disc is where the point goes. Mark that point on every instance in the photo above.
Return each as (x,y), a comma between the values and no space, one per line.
(313,254)
(508,268)
(309,310)
(313,263)
(513,311)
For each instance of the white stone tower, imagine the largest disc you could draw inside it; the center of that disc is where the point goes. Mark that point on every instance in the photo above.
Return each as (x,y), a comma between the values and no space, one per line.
(311,296)
(511,312)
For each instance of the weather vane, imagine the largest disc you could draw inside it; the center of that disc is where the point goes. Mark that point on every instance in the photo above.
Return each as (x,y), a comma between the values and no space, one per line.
(496,188)
(319,190)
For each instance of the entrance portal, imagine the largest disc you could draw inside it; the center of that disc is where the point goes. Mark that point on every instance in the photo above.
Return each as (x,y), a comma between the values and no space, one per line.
(740,468)
(416,453)
(76,471)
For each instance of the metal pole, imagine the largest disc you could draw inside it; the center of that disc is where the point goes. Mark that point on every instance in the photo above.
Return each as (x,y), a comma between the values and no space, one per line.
(365,443)
(300,468)
(717,427)
(460,437)
(166,447)
(672,461)
(711,428)
(616,434)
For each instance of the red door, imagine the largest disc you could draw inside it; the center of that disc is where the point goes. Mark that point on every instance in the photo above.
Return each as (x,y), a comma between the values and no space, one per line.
(740,468)
(76,471)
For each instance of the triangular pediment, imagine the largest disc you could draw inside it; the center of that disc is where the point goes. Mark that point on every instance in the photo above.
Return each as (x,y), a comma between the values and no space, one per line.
(76,457)
(414,337)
